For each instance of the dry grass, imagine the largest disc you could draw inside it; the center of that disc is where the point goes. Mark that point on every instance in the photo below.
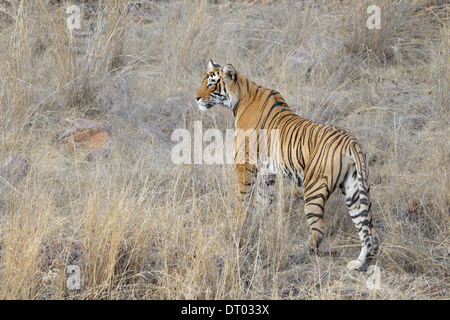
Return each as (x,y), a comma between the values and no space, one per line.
(150,229)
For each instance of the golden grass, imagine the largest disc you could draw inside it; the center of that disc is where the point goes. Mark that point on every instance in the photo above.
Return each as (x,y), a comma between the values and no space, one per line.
(150,229)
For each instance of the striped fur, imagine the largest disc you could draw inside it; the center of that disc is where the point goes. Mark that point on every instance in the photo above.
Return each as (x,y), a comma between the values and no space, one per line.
(319,157)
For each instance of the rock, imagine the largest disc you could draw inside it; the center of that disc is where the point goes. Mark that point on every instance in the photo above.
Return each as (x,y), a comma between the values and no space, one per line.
(88,133)
(413,205)
(14,169)
(412,211)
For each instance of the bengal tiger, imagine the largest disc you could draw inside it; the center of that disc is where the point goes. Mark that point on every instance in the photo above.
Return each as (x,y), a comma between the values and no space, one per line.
(318,156)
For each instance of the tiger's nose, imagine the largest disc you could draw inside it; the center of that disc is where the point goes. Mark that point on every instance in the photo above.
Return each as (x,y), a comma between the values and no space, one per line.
(197,97)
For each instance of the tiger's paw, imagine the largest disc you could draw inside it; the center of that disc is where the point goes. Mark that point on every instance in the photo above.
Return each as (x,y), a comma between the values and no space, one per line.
(357,265)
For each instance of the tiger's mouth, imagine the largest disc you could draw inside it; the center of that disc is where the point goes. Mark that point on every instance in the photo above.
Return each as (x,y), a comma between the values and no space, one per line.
(204,105)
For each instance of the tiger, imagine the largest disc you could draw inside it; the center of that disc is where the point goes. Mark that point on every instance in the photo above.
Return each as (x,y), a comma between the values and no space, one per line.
(319,157)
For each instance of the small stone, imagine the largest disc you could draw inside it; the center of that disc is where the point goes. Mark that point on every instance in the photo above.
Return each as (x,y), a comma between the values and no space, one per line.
(413,205)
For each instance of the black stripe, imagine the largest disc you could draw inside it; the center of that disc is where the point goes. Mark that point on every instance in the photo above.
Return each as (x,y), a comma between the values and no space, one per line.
(314,215)
(355,197)
(315,229)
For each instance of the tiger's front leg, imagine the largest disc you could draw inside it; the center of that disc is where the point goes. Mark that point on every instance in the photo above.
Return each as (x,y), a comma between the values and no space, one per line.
(245,178)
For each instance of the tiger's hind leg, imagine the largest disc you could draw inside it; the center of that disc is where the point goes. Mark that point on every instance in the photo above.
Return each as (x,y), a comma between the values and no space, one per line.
(359,207)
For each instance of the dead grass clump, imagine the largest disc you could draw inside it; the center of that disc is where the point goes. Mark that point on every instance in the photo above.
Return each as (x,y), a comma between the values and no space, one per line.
(403,37)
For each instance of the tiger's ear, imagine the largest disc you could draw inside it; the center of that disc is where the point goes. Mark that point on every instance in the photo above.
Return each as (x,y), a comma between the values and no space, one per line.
(212,65)
(229,73)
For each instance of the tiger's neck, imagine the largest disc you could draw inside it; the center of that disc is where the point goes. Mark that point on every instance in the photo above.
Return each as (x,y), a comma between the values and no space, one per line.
(253,100)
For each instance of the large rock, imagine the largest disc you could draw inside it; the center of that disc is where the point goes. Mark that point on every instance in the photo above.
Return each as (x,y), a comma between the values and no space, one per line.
(86,132)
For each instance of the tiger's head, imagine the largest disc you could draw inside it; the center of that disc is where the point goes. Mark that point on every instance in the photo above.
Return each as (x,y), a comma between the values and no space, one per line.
(219,87)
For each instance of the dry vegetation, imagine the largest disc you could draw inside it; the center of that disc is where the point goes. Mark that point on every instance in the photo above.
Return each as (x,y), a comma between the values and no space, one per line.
(144,228)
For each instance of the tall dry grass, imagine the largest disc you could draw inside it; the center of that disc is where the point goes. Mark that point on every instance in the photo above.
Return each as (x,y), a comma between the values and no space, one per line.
(140,227)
